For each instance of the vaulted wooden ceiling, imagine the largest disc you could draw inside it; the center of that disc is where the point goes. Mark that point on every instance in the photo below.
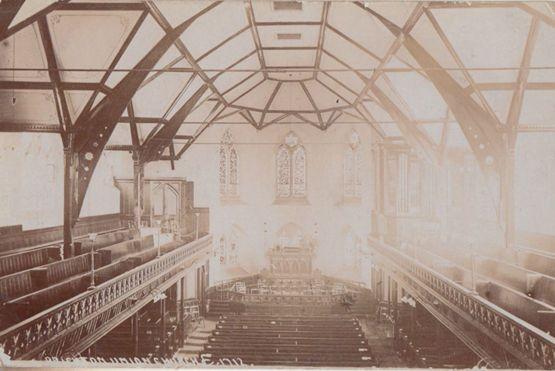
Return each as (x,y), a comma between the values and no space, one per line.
(269,63)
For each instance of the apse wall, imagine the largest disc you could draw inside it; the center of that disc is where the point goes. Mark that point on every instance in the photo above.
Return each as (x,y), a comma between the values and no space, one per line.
(326,216)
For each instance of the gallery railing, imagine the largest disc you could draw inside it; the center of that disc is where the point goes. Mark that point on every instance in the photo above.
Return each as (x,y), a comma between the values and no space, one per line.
(72,326)
(530,345)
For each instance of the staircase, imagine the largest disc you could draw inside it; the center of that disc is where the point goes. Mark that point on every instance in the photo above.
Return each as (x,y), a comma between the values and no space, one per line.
(196,340)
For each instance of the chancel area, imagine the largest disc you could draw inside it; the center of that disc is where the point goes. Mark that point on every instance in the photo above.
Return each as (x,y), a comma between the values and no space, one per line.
(277,183)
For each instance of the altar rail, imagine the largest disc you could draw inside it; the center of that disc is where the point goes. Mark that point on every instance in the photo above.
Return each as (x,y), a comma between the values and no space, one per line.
(18,238)
(531,346)
(74,325)
(328,299)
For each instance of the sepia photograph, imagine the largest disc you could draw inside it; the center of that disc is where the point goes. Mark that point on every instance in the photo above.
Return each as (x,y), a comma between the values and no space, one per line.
(277,184)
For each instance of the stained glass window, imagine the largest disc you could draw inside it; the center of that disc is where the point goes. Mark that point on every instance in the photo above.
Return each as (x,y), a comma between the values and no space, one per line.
(223,170)
(233,178)
(291,168)
(283,172)
(228,166)
(299,172)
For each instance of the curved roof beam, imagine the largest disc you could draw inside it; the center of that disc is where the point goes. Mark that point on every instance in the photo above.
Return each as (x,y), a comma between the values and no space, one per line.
(8,11)
(93,128)
(394,47)
(163,22)
(210,118)
(460,64)
(153,148)
(66,5)
(412,134)
(478,126)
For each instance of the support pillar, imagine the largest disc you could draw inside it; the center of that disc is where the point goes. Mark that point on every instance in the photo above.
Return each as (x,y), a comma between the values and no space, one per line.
(413,320)
(135,333)
(381,176)
(207,274)
(138,173)
(402,183)
(197,221)
(181,311)
(69,179)
(508,198)
(395,301)
(163,340)
(377,210)
(200,284)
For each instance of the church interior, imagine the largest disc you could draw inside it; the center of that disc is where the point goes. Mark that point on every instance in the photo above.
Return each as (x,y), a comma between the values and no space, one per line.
(278,183)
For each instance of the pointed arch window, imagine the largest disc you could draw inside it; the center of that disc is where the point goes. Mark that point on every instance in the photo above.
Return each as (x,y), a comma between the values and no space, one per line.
(352,164)
(291,168)
(221,253)
(299,172)
(283,172)
(228,166)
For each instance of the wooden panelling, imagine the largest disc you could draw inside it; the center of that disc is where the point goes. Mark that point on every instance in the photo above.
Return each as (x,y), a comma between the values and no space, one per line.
(540,241)
(28,259)
(14,285)
(10,229)
(18,262)
(46,235)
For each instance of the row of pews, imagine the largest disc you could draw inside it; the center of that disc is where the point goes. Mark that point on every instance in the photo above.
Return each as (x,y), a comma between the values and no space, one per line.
(15,237)
(271,340)
(45,265)
(44,279)
(521,280)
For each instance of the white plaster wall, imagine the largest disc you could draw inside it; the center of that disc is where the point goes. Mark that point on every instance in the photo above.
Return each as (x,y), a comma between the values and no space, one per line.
(325,215)
(102,196)
(535,183)
(32,180)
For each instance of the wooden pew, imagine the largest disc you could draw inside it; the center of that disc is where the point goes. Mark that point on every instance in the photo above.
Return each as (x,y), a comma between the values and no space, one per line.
(30,280)
(289,340)
(25,260)
(543,289)
(29,298)
(245,339)
(50,235)
(19,261)
(10,229)
(14,285)
(537,262)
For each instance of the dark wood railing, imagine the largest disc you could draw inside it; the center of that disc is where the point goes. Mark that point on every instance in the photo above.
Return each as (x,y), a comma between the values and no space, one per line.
(528,344)
(72,326)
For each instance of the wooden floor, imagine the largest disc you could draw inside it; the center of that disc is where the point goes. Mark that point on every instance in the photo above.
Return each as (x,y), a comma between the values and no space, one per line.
(380,340)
